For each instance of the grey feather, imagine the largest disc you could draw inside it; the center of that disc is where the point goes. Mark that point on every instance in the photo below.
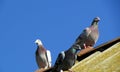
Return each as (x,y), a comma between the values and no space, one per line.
(66,59)
(90,35)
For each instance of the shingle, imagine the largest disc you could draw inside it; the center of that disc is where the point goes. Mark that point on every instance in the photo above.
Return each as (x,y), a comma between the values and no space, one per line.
(91,63)
(76,66)
(110,64)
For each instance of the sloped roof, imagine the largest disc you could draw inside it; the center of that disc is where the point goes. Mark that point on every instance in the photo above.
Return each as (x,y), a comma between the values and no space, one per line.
(106,61)
(100,48)
(103,58)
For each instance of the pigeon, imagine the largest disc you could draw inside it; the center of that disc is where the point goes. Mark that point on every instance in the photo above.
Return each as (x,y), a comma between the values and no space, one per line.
(66,59)
(89,36)
(43,56)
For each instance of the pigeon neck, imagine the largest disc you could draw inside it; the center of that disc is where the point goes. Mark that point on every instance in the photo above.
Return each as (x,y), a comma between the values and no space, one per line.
(74,50)
(39,44)
(41,48)
(95,24)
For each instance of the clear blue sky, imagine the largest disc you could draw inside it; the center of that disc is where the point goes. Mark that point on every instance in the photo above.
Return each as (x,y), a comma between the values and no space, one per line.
(56,23)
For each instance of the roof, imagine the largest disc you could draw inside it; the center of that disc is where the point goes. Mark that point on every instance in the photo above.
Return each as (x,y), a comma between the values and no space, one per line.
(105,61)
(103,58)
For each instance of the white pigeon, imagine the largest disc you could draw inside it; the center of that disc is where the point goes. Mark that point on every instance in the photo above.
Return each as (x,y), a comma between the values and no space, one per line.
(43,56)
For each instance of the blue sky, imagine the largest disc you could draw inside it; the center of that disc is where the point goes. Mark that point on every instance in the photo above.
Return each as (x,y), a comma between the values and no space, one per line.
(56,23)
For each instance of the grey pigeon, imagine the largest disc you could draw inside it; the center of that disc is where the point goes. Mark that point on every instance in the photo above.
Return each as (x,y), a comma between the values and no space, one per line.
(43,56)
(90,35)
(66,59)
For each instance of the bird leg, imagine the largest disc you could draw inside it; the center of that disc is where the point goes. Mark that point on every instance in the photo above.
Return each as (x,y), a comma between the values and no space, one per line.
(84,45)
(70,70)
(90,46)
(61,70)
(46,67)
(41,70)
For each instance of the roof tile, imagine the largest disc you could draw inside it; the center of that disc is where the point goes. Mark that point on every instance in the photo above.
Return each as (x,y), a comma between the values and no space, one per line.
(101,61)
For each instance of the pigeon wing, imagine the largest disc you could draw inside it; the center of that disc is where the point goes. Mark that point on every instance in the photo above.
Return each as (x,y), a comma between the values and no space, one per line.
(48,55)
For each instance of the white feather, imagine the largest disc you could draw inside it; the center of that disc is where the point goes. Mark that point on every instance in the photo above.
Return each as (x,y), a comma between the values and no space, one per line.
(49,58)
(63,54)
(61,70)
(38,41)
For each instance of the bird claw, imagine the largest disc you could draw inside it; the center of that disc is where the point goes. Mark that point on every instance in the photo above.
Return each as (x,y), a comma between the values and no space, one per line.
(70,70)
(87,46)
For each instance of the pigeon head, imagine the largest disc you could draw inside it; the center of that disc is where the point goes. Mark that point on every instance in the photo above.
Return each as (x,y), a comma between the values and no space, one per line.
(96,19)
(38,42)
(77,47)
